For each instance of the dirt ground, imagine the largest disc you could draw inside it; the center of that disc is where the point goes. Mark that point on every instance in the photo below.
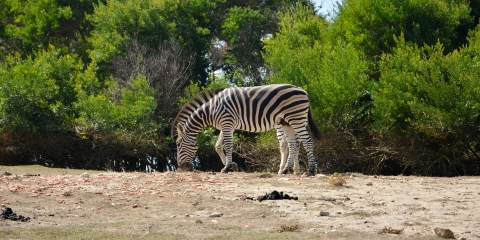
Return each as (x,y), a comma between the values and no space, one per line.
(76,204)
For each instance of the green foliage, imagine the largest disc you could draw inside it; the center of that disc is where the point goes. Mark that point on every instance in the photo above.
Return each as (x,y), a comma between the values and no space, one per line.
(423,92)
(243,27)
(372,25)
(28,26)
(38,93)
(332,75)
(238,20)
(243,30)
(32,23)
(422,88)
(117,23)
(118,109)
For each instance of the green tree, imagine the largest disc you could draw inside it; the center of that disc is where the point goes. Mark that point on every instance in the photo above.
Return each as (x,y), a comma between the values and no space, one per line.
(239,28)
(303,53)
(428,95)
(118,23)
(37,97)
(372,25)
(334,76)
(121,121)
(37,93)
(27,26)
(243,30)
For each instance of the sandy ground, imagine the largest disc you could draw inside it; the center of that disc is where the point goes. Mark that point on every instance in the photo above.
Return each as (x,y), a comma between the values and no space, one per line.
(201,205)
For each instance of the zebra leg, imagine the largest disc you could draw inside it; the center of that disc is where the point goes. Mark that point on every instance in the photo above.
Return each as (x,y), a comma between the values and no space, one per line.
(292,145)
(228,147)
(296,165)
(219,148)
(283,149)
(308,145)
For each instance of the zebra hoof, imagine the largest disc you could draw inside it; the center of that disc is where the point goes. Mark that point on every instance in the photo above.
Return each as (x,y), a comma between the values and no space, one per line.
(227,168)
(234,167)
(311,172)
(285,171)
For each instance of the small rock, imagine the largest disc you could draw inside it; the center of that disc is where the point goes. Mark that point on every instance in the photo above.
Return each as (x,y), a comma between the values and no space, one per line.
(444,233)
(85,175)
(409,223)
(324,214)
(214,215)
(369,183)
(134,205)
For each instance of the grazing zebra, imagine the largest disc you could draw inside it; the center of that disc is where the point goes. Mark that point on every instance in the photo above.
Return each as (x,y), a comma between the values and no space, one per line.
(254,109)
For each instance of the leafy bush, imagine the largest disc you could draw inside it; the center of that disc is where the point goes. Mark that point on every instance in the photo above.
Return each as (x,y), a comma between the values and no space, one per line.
(372,25)
(37,93)
(334,76)
(427,95)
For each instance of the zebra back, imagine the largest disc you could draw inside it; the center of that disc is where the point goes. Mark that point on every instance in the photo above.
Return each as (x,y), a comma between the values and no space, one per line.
(191,106)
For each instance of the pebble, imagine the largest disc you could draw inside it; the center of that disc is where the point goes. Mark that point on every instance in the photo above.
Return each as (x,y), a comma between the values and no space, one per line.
(444,233)
(213,215)
(378,204)
(324,214)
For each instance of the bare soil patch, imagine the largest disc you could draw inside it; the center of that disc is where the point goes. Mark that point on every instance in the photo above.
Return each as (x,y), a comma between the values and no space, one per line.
(75,204)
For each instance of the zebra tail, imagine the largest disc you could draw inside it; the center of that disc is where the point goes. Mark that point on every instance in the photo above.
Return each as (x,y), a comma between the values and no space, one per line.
(313,128)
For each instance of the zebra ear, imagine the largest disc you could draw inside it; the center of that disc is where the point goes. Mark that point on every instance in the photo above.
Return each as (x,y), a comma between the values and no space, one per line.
(180,129)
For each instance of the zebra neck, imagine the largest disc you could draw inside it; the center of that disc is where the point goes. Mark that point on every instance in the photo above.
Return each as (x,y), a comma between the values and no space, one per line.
(197,121)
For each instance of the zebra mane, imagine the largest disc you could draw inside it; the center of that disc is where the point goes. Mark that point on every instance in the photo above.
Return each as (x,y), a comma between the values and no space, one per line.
(191,106)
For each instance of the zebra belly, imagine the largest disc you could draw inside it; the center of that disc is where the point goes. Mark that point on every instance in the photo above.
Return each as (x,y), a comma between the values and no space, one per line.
(262,125)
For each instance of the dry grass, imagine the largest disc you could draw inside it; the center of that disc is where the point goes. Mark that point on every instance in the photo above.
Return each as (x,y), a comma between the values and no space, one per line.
(390,230)
(337,179)
(289,228)
(264,175)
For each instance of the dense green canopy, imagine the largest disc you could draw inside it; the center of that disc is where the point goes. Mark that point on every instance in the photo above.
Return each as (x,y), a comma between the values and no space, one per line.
(395,85)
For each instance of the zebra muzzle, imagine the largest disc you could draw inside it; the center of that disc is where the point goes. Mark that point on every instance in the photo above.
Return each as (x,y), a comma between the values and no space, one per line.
(185,166)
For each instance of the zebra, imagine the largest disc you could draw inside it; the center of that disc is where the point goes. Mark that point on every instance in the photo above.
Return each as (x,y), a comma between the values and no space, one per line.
(254,109)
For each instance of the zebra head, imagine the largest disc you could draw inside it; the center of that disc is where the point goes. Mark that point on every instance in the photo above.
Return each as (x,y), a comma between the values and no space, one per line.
(186,148)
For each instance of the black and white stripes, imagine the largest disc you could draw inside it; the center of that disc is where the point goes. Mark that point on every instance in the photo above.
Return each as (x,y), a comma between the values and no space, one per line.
(253,109)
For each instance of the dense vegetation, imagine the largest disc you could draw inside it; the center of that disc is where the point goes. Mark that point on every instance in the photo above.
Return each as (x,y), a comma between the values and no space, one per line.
(395,85)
